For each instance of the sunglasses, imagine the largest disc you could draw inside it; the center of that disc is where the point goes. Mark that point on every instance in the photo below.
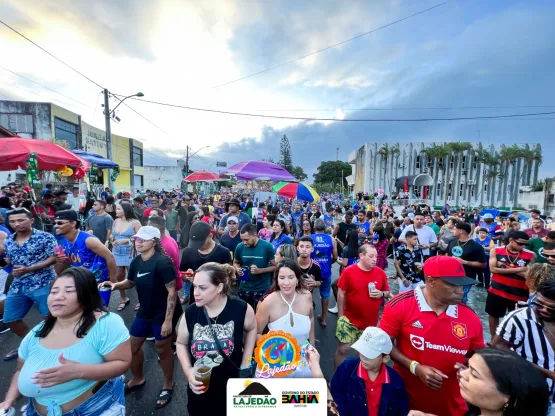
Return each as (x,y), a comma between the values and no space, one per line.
(306,223)
(539,305)
(138,240)
(549,256)
(60,222)
(521,244)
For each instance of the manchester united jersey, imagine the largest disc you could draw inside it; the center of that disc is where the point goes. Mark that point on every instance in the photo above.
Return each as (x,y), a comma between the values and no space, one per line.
(432,340)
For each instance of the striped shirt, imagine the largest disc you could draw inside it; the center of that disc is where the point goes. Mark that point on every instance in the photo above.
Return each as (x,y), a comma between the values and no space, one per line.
(522,330)
(511,286)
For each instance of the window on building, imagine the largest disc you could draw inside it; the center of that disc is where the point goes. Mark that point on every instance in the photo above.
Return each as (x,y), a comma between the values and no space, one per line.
(138,181)
(22,124)
(417,162)
(475,164)
(438,187)
(450,189)
(472,191)
(137,156)
(485,187)
(65,133)
(463,162)
(20,177)
(551,198)
(451,161)
(461,189)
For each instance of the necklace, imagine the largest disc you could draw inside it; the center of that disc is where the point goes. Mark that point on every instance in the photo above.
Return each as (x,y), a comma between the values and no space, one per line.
(514,260)
(548,330)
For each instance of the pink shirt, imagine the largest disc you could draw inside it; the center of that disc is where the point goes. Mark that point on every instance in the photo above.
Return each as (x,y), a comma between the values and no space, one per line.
(172,250)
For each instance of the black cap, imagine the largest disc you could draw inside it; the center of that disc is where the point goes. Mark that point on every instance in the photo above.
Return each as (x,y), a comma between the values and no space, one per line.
(66,214)
(198,233)
(233,201)
(463,226)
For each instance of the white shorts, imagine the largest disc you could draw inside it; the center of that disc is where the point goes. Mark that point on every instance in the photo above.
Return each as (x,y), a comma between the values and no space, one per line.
(403,288)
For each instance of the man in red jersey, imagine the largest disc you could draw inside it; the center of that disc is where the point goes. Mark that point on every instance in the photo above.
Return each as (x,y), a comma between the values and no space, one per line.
(509,266)
(362,289)
(433,331)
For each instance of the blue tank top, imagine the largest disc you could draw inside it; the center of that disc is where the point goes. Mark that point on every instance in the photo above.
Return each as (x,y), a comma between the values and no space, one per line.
(81,256)
(484,243)
(323,250)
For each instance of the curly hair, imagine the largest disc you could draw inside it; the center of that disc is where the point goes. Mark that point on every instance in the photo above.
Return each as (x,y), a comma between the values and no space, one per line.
(539,273)
(224,274)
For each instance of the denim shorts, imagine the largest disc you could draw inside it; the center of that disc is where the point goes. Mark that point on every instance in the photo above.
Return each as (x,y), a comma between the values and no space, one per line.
(18,304)
(108,401)
(325,288)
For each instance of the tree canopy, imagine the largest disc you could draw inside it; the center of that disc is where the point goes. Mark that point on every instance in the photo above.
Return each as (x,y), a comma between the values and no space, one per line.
(332,171)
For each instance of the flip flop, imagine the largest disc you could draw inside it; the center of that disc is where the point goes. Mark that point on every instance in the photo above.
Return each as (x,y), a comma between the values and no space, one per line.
(137,307)
(128,389)
(12,355)
(123,305)
(165,394)
(322,324)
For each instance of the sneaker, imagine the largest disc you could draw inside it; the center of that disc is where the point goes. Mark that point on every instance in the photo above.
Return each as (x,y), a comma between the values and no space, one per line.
(4,328)
(333,310)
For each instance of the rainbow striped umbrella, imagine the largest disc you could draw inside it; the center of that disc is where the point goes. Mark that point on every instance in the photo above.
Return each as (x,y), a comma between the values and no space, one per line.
(296,190)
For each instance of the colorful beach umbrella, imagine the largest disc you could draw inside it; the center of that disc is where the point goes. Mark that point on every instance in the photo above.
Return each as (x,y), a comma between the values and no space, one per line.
(202,176)
(258,169)
(296,190)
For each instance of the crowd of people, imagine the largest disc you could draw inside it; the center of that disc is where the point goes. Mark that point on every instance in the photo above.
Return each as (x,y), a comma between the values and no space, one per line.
(214,273)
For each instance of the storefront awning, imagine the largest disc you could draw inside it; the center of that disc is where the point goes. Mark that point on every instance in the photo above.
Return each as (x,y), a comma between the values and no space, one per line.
(101,161)
(414,180)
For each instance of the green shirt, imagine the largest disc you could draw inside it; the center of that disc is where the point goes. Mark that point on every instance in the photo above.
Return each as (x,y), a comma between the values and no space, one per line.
(435,228)
(537,245)
(260,255)
(171,219)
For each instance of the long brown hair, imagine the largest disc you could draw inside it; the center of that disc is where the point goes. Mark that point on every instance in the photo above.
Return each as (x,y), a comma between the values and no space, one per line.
(293,265)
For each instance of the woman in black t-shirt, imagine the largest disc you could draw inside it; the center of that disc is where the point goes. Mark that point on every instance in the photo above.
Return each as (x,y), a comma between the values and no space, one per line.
(153,274)
(233,322)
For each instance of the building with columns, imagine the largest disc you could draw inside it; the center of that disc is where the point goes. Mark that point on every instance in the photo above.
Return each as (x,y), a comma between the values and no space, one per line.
(458,173)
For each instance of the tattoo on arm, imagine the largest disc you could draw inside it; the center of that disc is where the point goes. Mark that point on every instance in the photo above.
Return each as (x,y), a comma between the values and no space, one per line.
(171,305)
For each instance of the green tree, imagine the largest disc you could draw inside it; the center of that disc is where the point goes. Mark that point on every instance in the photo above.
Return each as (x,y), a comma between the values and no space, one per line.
(269,160)
(332,172)
(285,156)
(298,173)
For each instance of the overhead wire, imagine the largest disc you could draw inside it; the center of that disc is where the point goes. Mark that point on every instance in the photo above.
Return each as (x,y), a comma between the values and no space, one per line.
(53,56)
(271,116)
(45,87)
(334,45)
(139,114)
(407,108)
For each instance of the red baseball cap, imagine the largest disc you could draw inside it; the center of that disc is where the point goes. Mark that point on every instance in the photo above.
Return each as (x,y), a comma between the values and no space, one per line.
(449,269)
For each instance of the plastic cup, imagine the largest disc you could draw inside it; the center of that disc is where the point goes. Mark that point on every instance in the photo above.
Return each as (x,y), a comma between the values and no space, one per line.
(105,293)
(245,274)
(7,412)
(203,374)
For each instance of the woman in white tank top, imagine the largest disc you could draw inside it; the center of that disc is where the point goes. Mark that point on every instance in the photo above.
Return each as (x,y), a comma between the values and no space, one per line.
(288,308)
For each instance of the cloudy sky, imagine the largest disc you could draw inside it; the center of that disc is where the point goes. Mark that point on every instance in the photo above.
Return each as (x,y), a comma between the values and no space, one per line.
(466,53)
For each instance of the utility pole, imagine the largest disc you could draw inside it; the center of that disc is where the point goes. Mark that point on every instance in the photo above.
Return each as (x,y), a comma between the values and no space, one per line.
(108,134)
(337,154)
(186,162)
(342,180)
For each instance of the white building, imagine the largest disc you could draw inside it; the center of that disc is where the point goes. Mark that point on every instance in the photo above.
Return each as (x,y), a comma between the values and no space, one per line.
(161,172)
(460,173)
(543,200)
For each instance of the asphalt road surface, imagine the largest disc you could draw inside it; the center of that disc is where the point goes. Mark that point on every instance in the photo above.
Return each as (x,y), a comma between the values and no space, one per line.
(142,402)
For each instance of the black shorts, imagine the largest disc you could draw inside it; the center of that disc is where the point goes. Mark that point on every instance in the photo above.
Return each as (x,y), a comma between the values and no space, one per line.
(498,306)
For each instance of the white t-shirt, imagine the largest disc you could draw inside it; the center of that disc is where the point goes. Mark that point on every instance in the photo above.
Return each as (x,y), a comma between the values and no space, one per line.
(425,236)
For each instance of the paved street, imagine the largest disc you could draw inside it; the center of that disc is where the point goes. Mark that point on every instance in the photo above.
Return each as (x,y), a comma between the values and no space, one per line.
(142,402)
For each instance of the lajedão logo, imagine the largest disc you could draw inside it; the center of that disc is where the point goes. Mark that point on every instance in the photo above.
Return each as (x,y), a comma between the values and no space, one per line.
(276,354)
(254,395)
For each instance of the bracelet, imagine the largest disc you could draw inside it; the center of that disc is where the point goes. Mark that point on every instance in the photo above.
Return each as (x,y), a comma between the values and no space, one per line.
(412,366)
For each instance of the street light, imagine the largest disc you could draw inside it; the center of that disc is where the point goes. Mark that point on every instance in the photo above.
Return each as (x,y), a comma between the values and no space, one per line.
(187,157)
(107,114)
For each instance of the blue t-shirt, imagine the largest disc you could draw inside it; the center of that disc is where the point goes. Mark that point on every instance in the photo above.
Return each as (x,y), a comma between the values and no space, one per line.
(363,227)
(323,251)
(282,239)
(104,337)
(38,248)
(328,221)
(296,219)
(81,256)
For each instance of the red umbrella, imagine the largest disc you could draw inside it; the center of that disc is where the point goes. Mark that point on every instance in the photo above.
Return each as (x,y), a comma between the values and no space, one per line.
(202,176)
(15,151)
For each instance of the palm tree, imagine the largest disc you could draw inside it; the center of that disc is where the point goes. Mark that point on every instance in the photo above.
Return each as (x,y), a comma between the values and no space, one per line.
(538,159)
(507,156)
(447,171)
(493,174)
(482,157)
(458,149)
(385,153)
(435,153)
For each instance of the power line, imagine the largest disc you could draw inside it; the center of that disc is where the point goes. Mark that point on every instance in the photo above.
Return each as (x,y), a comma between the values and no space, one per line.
(342,120)
(139,114)
(47,88)
(336,44)
(407,108)
(53,56)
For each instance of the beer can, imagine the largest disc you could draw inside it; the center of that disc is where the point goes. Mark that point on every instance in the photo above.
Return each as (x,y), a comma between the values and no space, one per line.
(371,288)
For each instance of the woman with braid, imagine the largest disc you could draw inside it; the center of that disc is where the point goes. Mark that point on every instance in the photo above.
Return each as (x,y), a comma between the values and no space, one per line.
(153,274)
